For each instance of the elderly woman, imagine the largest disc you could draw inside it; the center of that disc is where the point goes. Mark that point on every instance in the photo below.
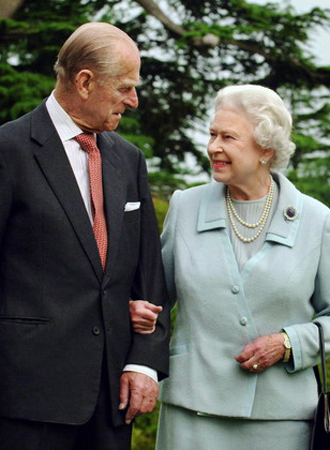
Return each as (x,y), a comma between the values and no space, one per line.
(247,258)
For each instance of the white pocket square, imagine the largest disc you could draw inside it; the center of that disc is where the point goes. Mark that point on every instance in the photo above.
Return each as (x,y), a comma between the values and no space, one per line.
(131,206)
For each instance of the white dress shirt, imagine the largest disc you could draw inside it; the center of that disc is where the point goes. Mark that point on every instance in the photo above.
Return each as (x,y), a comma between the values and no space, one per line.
(78,158)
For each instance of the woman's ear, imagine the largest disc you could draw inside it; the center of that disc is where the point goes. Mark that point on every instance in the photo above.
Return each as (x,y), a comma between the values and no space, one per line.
(267,154)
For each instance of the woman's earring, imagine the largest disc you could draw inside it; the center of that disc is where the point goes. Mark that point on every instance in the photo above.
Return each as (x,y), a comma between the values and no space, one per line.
(263,161)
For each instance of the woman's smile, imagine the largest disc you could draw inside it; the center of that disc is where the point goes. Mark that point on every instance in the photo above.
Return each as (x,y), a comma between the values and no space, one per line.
(220,164)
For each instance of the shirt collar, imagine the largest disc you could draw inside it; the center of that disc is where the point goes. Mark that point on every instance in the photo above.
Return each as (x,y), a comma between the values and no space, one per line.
(65,126)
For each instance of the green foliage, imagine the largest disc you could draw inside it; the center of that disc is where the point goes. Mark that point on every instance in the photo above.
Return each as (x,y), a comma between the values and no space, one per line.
(161,207)
(314,179)
(163,183)
(144,431)
(258,44)
(20,92)
(133,133)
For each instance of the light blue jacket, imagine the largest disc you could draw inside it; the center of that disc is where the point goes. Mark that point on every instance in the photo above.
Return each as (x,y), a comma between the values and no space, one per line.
(220,309)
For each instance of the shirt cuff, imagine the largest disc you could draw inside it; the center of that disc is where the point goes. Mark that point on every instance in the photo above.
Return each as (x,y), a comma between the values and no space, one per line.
(142,369)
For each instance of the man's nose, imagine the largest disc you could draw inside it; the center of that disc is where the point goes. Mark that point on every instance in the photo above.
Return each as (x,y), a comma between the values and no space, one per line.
(132,100)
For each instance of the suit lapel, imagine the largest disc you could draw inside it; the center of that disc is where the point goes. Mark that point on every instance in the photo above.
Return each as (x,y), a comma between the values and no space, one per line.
(114,196)
(212,210)
(54,163)
(280,230)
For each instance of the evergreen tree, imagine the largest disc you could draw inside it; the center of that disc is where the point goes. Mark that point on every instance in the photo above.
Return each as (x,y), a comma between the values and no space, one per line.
(190,49)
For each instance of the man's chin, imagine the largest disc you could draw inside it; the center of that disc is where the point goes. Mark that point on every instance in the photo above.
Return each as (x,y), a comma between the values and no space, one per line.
(110,126)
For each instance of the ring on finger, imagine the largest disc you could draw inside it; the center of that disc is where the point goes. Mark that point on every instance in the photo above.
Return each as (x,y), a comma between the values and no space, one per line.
(255,367)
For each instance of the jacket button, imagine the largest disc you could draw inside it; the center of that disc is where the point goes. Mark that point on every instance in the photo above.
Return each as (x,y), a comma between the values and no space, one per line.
(96,331)
(235,289)
(243,321)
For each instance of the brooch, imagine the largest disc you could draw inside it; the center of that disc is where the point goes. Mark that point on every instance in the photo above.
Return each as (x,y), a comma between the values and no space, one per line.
(290,213)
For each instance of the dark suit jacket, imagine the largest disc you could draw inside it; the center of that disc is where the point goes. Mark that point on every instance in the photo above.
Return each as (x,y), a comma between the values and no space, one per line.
(59,314)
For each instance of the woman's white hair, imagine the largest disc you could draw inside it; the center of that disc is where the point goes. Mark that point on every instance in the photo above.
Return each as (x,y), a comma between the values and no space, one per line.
(266,111)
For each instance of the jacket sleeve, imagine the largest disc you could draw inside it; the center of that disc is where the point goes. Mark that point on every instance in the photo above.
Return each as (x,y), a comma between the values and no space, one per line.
(149,284)
(304,337)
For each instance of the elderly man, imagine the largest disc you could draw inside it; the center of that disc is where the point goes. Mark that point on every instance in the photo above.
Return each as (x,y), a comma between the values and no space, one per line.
(78,241)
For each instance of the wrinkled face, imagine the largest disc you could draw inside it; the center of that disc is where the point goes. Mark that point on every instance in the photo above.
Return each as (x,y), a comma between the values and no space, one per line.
(233,152)
(107,100)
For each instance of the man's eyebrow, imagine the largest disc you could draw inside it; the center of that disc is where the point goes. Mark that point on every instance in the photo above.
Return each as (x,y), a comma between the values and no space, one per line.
(131,83)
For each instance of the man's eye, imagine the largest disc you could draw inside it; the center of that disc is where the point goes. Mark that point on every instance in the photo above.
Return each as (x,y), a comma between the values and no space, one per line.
(124,90)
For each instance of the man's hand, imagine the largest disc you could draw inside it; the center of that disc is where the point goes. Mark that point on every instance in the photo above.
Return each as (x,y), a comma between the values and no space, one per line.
(144,316)
(139,393)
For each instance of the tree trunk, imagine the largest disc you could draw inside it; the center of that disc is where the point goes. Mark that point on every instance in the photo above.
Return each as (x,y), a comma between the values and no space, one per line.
(153,9)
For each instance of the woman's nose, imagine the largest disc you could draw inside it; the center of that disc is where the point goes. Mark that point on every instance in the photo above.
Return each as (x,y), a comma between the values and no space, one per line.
(215,146)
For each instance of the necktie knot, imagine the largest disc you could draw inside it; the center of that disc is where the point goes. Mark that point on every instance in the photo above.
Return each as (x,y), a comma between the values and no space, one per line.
(87,142)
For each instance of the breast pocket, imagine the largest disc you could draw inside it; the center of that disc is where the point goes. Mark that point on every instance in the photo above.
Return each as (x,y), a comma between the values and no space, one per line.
(132,216)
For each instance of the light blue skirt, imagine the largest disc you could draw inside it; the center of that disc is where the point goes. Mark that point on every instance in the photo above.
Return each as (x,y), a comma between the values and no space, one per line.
(182,429)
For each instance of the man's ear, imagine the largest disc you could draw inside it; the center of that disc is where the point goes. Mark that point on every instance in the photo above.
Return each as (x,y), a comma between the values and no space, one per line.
(85,83)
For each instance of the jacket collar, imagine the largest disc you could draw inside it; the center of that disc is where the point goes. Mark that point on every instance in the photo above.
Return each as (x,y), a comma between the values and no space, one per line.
(212,210)
(281,230)
(54,163)
(114,196)
(213,213)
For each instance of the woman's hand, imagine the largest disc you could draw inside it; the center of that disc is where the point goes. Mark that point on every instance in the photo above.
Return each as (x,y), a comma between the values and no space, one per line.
(144,316)
(262,353)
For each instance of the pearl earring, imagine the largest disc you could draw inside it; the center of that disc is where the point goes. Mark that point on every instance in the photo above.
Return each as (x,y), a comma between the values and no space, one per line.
(263,161)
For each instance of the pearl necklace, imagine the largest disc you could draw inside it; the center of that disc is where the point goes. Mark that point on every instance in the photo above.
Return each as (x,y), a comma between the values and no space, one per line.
(232,213)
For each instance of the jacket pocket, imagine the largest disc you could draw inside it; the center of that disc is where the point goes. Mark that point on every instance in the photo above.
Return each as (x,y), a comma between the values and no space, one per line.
(180,349)
(25,320)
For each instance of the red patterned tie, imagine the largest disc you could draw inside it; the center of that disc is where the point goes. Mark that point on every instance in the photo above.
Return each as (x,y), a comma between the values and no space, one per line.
(87,143)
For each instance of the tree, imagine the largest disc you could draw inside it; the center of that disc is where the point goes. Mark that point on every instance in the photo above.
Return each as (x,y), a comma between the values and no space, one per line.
(311,162)
(190,49)
(249,43)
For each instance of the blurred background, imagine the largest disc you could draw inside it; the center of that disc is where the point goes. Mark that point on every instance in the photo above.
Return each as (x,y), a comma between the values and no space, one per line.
(190,49)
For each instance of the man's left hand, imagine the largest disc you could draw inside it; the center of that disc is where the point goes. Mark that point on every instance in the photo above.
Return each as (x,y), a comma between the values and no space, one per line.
(139,393)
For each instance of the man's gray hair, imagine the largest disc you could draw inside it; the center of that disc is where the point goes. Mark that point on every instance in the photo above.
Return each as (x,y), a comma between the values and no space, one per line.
(92,46)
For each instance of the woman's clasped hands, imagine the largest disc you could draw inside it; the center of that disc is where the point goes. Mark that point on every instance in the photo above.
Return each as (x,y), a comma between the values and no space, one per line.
(261,353)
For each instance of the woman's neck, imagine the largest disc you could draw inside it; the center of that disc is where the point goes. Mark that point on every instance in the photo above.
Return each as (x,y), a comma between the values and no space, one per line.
(257,189)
